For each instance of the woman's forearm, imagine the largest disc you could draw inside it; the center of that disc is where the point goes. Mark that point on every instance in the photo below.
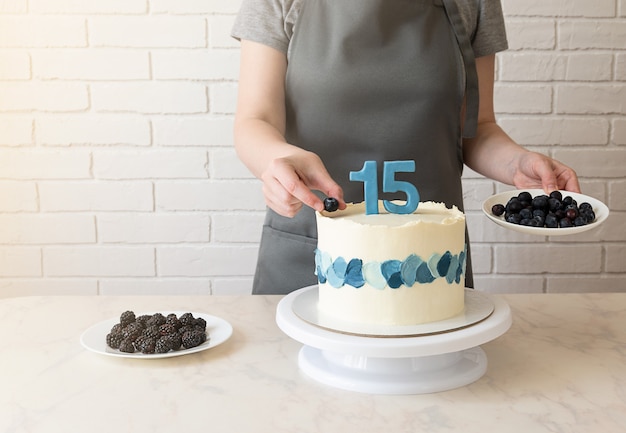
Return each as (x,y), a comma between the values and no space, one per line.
(493,153)
(258,143)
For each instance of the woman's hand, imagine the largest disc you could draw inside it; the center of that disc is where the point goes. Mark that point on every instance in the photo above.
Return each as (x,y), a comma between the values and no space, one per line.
(288,183)
(534,170)
(289,173)
(495,155)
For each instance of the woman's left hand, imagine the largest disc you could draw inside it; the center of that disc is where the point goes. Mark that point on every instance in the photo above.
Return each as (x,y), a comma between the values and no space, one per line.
(535,170)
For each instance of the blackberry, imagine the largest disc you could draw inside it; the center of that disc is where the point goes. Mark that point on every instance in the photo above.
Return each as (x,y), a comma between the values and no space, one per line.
(176,341)
(151,332)
(126,318)
(132,331)
(172,319)
(186,319)
(143,320)
(193,339)
(200,323)
(166,329)
(116,329)
(114,340)
(186,328)
(157,319)
(163,345)
(127,346)
(145,344)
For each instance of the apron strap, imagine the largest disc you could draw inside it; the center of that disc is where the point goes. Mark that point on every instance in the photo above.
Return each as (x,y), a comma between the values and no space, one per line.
(471,76)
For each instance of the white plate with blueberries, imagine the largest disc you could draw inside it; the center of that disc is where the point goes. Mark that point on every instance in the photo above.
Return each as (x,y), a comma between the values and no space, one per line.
(532,211)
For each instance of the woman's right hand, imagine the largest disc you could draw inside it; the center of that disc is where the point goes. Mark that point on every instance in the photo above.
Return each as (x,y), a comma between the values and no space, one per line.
(288,182)
(289,173)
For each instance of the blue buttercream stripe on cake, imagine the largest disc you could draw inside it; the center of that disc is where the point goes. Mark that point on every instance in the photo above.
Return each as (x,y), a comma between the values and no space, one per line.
(408,270)
(354,273)
(393,273)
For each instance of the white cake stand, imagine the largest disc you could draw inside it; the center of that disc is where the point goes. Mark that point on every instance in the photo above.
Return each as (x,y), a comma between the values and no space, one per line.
(392,365)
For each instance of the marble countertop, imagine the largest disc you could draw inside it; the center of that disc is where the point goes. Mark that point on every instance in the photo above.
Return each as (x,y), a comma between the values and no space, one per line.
(561,367)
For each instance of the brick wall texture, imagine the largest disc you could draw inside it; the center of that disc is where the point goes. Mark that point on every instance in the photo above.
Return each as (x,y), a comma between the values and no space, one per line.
(117,168)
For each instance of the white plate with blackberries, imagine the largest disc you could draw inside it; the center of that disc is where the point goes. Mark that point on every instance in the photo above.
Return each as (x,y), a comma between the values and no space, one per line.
(156,335)
(533,211)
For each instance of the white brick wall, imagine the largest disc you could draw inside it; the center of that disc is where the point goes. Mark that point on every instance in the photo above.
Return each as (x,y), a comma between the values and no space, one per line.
(561,90)
(117,173)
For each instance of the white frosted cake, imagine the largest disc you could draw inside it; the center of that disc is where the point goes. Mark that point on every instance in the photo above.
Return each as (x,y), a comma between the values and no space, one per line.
(391,269)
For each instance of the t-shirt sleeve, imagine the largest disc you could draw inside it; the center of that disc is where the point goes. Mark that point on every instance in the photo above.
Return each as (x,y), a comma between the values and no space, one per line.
(490,35)
(262,21)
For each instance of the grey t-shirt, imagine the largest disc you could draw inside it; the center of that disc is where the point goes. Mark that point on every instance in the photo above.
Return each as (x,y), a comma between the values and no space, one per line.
(272,22)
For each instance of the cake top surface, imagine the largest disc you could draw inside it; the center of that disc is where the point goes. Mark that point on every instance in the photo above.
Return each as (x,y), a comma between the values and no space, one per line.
(427,212)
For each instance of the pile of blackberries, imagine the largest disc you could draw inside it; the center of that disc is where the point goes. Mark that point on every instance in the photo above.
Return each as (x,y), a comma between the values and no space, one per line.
(156,333)
(551,211)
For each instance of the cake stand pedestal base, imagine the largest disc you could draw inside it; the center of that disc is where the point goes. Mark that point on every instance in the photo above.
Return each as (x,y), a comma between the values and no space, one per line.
(390,365)
(418,375)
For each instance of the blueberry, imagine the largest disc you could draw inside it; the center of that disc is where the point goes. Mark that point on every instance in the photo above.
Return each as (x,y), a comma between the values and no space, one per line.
(498,209)
(556,195)
(514,205)
(526,213)
(567,201)
(331,204)
(540,220)
(585,206)
(539,212)
(540,202)
(513,218)
(580,221)
(565,223)
(554,204)
(571,212)
(588,214)
(551,221)
(524,196)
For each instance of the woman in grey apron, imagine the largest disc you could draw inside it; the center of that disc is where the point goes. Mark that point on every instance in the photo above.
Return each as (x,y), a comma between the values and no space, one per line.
(378,80)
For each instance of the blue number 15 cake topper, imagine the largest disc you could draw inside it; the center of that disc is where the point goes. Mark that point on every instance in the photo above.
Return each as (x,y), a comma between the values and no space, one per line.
(368,175)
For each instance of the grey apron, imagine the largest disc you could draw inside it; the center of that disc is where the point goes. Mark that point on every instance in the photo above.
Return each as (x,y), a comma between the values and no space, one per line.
(378,80)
